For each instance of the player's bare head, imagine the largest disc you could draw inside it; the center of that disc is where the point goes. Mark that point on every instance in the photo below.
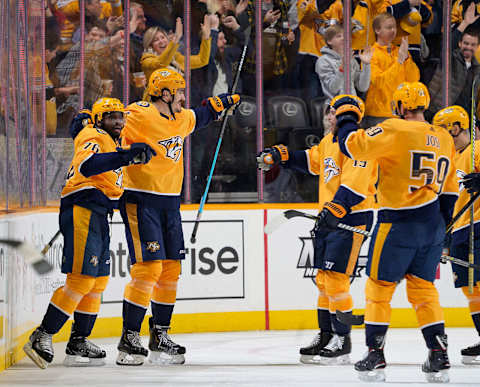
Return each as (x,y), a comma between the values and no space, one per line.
(167,86)
(410,97)
(109,114)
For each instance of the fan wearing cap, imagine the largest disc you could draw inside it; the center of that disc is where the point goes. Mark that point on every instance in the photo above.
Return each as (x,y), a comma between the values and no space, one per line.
(346,194)
(455,119)
(92,190)
(416,192)
(150,208)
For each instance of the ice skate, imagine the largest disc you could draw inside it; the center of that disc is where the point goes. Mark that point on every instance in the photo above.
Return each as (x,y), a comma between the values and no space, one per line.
(437,364)
(81,352)
(337,351)
(39,348)
(130,349)
(309,354)
(371,367)
(162,348)
(471,354)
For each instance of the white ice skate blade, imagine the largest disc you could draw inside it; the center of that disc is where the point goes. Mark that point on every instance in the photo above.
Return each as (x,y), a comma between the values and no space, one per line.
(438,377)
(80,361)
(372,376)
(316,359)
(471,360)
(36,358)
(162,358)
(124,358)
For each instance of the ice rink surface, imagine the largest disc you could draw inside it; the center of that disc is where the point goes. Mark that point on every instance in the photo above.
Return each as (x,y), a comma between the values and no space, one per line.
(264,358)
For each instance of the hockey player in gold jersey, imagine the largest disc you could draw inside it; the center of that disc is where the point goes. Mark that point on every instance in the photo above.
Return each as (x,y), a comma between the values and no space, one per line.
(455,120)
(346,186)
(150,208)
(91,192)
(416,192)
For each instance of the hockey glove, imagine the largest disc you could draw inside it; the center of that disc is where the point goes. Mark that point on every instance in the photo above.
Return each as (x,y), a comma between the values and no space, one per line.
(82,119)
(222,102)
(269,157)
(137,153)
(347,109)
(471,182)
(330,216)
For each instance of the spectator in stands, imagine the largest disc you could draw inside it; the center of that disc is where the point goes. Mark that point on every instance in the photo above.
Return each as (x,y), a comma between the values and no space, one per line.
(97,47)
(465,69)
(107,10)
(362,22)
(390,66)
(137,29)
(411,16)
(275,61)
(330,70)
(313,20)
(160,52)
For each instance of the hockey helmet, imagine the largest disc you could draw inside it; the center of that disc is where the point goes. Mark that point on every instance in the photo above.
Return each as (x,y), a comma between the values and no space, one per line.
(162,79)
(410,96)
(106,105)
(348,99)
(450,116)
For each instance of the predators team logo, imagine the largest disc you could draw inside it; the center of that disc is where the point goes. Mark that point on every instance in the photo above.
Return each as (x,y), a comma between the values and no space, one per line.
(330,169)
(153,246)
(305,261)
(173,147)
(94,260)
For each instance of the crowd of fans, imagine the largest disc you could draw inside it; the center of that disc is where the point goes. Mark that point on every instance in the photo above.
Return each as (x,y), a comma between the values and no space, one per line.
(303,56)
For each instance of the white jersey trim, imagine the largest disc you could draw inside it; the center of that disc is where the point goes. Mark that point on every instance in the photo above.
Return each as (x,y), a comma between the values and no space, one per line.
(80,165)
(162,303)
(352,190)
(409,208)
(455,229)
(309,167)
(346,146)
(90,187)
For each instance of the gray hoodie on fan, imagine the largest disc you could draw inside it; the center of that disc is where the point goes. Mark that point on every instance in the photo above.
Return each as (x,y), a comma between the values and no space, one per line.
(332,79)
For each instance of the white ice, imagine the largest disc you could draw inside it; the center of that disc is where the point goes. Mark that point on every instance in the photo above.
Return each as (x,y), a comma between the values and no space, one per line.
(264,358)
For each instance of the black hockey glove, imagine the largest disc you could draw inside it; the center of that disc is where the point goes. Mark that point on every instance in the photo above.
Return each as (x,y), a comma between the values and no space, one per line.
(82,119)
(269,157)
(471,182)
(137,153)
(347,109)
(330,216)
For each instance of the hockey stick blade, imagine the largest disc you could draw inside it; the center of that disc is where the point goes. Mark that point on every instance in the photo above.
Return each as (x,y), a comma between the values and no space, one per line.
(349,318)
(275,223)
(31,255)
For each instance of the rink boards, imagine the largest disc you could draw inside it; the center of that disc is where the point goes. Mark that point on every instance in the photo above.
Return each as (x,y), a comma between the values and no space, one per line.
(234,277)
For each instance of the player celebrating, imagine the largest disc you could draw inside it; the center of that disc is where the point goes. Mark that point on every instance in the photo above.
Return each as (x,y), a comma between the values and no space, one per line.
(417,189)
(346,187)
(455,120)
(150,209)
(91,192)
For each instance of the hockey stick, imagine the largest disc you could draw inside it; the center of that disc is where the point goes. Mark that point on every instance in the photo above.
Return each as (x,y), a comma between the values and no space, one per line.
(462,211)
(459,262)
(276,222)
(31,255)
(220,138)
(471,239)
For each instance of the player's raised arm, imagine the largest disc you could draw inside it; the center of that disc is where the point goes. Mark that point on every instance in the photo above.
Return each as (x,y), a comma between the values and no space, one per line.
(213,107)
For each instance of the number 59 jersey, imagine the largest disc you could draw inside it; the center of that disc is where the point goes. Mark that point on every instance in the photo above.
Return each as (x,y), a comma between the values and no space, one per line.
(89,141)
(415,163)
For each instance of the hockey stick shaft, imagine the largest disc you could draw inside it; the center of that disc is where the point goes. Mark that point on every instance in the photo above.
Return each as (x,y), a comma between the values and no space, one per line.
(220,139)
(461,262)
(471,239)
(49,244)
(462,211)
